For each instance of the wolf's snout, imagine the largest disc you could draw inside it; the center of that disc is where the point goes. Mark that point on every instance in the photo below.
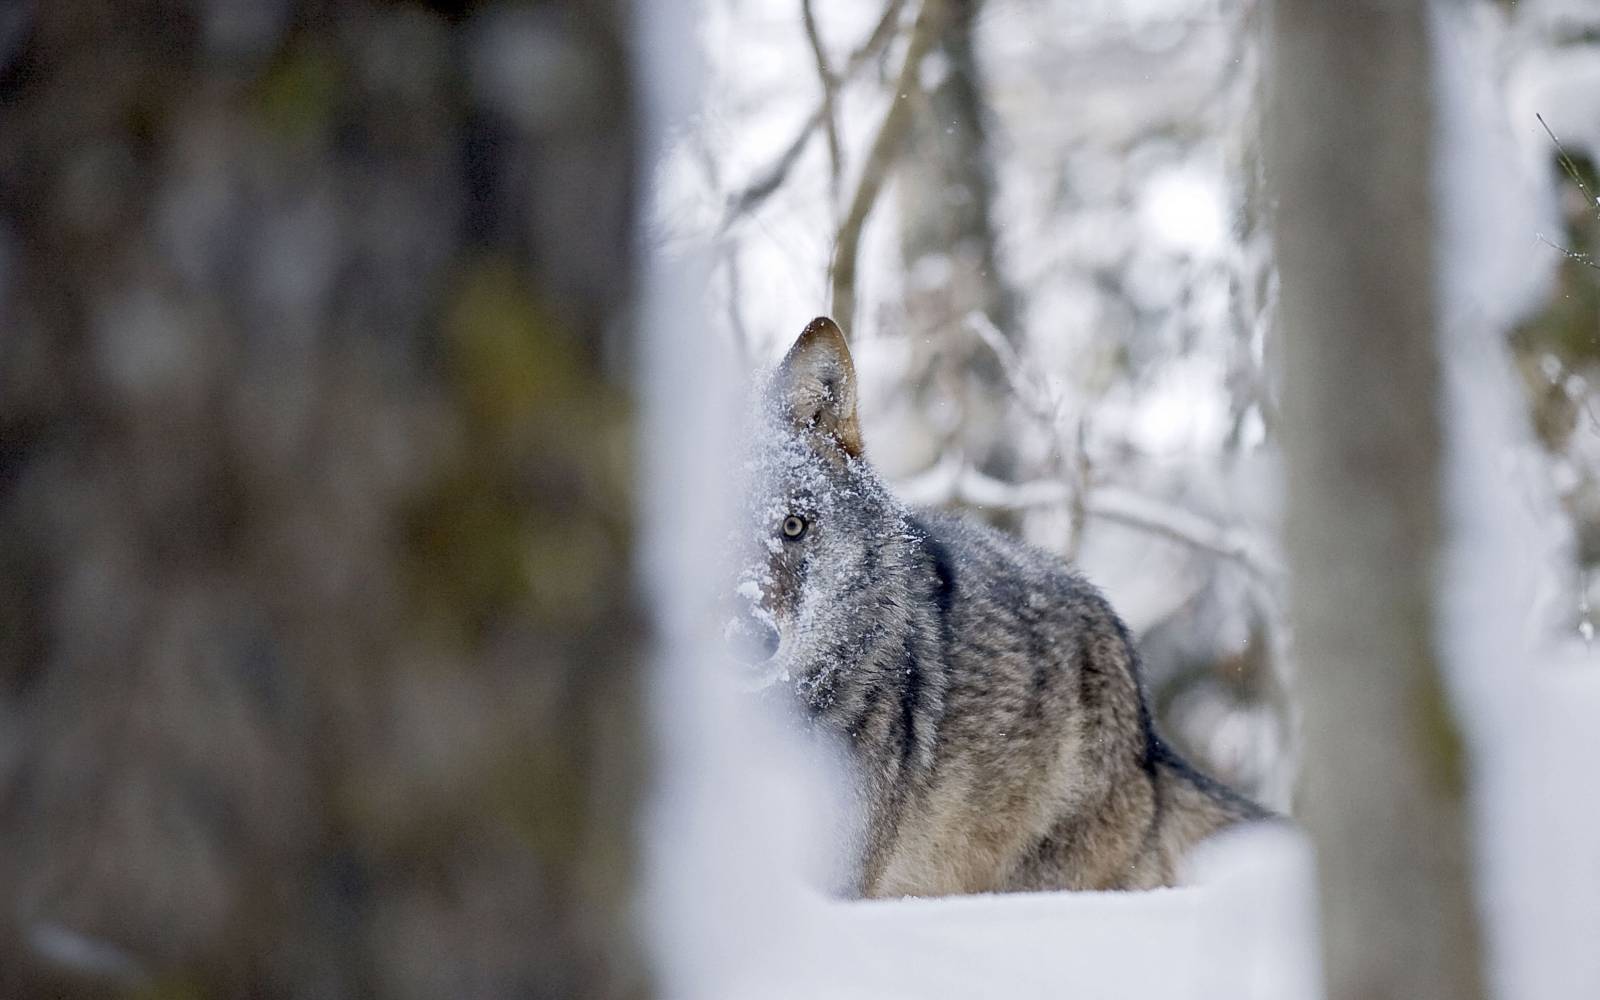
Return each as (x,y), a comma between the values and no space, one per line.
(750,639)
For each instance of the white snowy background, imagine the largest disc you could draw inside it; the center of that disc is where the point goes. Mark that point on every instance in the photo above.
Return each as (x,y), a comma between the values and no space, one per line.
(1120,139)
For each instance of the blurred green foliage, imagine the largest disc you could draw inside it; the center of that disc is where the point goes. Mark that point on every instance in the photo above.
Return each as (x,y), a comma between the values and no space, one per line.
(530,515)
(298,96)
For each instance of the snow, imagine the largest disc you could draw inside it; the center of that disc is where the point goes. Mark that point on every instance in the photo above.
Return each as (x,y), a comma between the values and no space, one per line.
(749,589)
(1185,208)
(1242,931)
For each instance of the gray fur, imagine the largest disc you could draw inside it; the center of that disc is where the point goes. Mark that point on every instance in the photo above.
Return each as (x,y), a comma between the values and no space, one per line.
(988,696)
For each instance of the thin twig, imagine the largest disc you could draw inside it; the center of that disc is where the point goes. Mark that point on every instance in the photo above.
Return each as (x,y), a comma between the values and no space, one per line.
(881,33)
(1082,475)
(750,197)
(885,149)
(1585,259)
(1571,168)
(1566,161)
(830,93)
(1035,398)
(768,181)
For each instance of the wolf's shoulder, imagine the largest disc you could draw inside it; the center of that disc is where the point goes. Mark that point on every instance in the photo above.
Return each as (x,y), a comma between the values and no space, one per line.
(990,564)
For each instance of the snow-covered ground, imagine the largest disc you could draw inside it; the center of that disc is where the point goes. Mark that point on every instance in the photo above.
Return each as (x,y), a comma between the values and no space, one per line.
(1243,931)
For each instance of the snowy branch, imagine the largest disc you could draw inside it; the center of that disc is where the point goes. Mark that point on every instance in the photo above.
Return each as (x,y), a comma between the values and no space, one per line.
(954,480)
(1034,397)
(1122,506)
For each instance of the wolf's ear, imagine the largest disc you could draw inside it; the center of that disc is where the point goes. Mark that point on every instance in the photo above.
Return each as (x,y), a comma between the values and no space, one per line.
(817,382)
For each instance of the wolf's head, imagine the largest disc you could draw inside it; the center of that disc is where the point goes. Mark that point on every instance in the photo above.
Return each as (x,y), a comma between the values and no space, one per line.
(814,523)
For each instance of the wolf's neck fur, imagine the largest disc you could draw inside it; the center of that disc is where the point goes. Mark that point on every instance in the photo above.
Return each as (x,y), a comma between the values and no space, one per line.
(1000,737)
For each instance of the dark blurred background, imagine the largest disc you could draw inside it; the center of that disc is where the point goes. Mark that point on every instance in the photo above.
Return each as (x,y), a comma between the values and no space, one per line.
(316,643)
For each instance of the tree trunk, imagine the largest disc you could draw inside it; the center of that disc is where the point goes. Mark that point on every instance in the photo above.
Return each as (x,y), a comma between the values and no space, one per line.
(316,644)
(947,239)
(1350,152)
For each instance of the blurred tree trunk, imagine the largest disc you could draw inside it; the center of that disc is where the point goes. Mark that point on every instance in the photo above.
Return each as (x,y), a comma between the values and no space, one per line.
(946,193)
(317,654)
(1350,151)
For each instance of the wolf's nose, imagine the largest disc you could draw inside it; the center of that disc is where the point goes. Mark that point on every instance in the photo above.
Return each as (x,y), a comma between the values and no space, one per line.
(751,640)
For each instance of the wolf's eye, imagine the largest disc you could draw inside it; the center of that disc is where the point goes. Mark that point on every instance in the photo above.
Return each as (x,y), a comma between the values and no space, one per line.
(793,527)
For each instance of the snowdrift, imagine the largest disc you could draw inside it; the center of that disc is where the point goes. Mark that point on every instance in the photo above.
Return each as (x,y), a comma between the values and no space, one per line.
(1244,929)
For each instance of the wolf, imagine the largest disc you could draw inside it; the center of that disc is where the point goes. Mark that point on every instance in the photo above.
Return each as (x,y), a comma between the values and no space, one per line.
(986,697)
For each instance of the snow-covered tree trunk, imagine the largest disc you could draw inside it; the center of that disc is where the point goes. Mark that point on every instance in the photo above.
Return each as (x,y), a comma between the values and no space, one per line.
(1351,130)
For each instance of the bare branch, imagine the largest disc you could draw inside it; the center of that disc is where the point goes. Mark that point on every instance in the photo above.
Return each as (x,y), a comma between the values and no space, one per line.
(881,33)
(885,148)
(830,91)
(1035,397)
(1567,163)
(769,180)
(1571,168)
(1077,510)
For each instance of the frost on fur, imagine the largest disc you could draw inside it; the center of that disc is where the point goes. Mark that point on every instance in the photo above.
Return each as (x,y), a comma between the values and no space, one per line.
(802,458)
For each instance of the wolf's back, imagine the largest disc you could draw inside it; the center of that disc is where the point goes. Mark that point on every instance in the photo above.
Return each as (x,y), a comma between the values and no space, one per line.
(1046,771)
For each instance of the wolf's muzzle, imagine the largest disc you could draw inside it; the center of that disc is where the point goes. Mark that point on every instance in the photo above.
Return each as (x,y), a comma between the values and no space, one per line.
(750,639)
